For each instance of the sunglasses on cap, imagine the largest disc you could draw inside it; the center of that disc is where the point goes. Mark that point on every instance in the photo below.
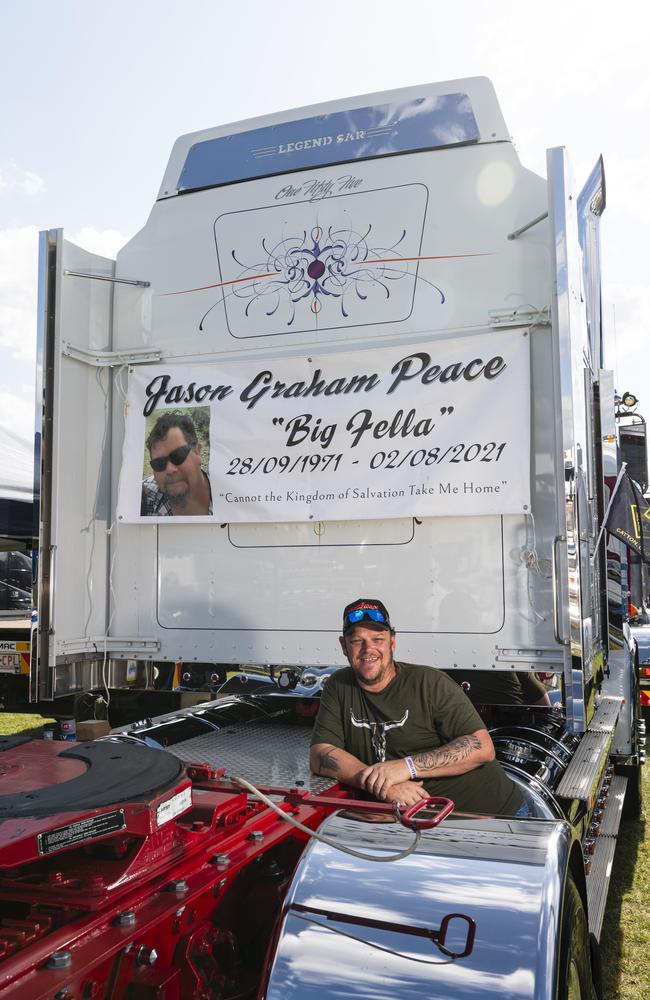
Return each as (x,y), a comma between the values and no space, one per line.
(370,614)
(176,457)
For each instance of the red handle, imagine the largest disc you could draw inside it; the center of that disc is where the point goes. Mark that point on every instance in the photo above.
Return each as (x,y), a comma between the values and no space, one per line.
(407,818)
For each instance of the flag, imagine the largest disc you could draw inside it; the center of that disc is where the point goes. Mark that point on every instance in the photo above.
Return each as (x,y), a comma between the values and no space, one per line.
(628,517)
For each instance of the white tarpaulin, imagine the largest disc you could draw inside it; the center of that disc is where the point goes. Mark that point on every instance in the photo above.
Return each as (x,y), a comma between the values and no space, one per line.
(17,467)
(425,429)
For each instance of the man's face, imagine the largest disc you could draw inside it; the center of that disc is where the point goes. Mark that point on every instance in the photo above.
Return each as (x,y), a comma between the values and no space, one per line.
(370,654)
(179,482)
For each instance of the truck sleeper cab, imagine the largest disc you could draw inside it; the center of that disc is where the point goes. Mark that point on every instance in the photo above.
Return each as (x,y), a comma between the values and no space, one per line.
(387,334)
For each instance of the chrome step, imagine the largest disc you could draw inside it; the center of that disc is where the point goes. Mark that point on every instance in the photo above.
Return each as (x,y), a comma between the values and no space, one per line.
(603,856)
(606,715)
(614,809)
(581,778)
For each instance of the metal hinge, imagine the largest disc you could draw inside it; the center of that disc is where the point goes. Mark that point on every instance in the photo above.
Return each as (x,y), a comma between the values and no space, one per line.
(520,316)
(538,656)
(129,646)
(112,359)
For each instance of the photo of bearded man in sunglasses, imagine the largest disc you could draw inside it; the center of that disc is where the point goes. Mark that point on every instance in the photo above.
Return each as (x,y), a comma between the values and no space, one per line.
(179,485)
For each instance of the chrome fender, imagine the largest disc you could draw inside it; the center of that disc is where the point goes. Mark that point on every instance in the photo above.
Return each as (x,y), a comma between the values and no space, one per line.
(359,928)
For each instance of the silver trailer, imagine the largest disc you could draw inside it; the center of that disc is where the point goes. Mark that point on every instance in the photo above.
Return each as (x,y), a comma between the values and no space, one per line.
(396,234)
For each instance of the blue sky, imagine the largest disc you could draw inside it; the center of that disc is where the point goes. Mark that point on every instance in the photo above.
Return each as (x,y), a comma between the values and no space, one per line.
(95,94)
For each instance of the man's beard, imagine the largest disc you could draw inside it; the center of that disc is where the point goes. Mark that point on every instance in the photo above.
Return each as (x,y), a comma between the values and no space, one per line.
(179,495)
(378,678)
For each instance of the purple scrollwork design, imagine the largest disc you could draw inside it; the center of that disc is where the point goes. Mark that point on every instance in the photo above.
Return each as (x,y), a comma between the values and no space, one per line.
(336,264)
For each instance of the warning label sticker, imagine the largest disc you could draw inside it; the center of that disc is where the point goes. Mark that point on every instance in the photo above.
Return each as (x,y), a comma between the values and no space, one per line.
(81,831)
(173,807)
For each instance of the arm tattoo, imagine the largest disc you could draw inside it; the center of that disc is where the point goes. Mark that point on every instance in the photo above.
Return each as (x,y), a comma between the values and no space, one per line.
(453,753)
(327,761)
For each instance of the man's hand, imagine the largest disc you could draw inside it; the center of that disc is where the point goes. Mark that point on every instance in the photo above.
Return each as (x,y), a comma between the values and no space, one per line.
(378,778)
(407,793)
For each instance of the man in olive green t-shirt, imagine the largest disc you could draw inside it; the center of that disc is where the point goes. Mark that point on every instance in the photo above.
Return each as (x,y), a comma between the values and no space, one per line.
(401,731)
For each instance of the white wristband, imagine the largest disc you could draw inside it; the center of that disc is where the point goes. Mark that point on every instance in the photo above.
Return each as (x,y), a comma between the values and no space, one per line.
(411,767)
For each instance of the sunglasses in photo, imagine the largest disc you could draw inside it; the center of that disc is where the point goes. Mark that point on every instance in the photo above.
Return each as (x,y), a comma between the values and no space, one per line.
(176,457)
(371,614)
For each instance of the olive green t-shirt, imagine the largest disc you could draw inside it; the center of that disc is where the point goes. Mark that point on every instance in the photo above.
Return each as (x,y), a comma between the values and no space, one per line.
(421,709)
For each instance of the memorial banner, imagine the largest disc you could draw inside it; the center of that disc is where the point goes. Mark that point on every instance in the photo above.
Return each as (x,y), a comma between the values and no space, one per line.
(426,429)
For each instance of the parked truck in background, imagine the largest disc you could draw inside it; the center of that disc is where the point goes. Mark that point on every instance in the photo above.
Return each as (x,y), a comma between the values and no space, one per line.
(16,547)
(393,331)
(634,444)
(15,624)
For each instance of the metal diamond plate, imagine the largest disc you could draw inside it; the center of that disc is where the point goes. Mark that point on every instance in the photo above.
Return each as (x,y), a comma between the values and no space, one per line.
(264,754)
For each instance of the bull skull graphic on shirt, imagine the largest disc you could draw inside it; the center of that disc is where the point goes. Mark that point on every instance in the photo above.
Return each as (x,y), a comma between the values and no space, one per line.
(378,732)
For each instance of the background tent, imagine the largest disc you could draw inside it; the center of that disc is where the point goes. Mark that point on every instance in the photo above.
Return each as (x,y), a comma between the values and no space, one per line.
(16,489)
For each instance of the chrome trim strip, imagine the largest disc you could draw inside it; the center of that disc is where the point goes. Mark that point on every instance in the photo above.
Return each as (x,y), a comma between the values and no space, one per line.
(555,583)
(41,679)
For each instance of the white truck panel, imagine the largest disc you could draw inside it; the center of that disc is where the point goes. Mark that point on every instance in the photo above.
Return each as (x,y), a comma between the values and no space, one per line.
(456,205)
(81,512)
(471,592)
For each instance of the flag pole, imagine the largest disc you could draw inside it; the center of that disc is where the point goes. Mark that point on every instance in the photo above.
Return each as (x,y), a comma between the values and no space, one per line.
(609,507)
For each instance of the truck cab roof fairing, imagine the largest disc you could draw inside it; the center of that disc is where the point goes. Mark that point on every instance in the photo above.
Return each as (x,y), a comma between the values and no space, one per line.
(457,111)
(323,140)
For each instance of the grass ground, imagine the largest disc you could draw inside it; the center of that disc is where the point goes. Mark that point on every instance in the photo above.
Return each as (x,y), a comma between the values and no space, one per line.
(31,725)
(625,940)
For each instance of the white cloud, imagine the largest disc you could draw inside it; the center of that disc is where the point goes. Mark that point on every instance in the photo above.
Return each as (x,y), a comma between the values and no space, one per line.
(32,183)
(17,410)
(18,275)
(627,307)
(15,178)
(18,278)
(18,302)
(105,242)
(628,187)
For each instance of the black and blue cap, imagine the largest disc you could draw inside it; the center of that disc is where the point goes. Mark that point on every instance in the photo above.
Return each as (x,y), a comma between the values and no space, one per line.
(366,611)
